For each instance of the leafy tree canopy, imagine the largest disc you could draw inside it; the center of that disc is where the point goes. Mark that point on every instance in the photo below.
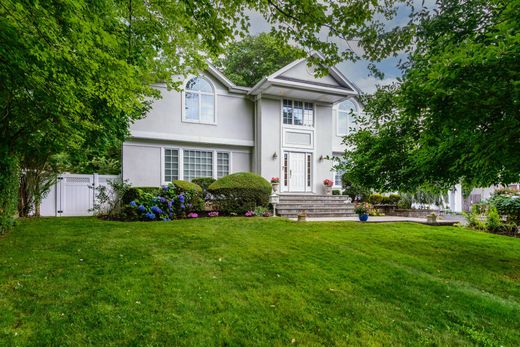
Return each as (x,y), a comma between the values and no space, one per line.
(455,116)
(246,62)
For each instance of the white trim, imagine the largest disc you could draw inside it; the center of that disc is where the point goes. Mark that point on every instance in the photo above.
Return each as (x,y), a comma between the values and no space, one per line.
(180,149)
(337,111)
(191,138)
(183,101)
(301,131)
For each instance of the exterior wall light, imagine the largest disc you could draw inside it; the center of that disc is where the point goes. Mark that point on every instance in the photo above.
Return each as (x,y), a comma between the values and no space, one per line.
(275,156)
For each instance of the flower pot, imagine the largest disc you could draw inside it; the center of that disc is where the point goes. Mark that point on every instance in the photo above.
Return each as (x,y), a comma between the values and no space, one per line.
(363,217)
(275,186)
(327,190)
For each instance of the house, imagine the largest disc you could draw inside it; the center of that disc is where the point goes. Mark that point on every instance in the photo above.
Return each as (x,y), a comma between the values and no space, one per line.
(288,126)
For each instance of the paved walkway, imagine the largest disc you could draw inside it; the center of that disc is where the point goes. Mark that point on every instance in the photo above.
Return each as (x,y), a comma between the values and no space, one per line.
(376,219)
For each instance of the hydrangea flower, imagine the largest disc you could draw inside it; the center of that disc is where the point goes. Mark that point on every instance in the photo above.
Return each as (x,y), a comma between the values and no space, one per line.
(166,219)
(156,209)
(193,215)
(182,206)
(133,203)
(162,200)
(141,208)
(150,215)
(165,187)
(181,198)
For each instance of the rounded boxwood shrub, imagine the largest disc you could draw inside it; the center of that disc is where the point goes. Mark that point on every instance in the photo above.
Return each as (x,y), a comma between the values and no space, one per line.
(185,186)
(136,193)
(240,192)
(375,199)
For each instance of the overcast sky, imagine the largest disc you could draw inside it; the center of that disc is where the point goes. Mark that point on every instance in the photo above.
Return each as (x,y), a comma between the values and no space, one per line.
(356,72)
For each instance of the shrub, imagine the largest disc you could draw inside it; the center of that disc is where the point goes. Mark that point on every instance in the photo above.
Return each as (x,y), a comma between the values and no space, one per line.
(134,193)
(175,200)
(240,192)
(375,199)
(185,186)
(508,205)
(405,202)
(204,183)
(473,218)
(493,220)
(356,193)
(110,198)
(336,192)
(394,199)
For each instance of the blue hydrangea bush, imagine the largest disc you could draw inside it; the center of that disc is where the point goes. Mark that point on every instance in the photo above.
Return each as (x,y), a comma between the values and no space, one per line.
(172,201)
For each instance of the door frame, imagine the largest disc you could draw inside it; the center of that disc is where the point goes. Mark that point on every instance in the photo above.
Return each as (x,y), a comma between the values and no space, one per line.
(307,188)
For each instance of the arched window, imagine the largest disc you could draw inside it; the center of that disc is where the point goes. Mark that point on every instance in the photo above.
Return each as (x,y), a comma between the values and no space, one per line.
(199,101)
(346,121)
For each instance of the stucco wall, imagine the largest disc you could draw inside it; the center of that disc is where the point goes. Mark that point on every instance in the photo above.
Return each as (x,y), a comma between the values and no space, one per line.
(269,133)
(234,120)
(323,146)
(142,161)
(303,72)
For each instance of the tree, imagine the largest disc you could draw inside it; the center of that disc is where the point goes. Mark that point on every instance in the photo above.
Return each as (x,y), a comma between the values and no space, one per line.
(246,62)
(455,116)
(78,72)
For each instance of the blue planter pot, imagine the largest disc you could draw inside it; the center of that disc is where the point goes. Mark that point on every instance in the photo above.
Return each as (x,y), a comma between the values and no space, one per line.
(363,217)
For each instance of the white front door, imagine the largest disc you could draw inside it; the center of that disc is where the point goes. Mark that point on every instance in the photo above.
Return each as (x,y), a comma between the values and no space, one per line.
(296,172)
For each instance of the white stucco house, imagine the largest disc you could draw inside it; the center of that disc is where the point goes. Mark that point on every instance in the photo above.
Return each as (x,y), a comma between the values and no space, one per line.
(286,126)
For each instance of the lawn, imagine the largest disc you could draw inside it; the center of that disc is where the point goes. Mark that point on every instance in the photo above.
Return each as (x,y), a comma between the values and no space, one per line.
(259,281)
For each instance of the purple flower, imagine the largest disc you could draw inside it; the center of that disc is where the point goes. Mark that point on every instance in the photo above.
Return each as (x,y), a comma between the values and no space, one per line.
(249,214)
(156,209)
(181,198)
(150,215)
(192,215)
(165,187)
(141,208)
(162,200)
(133,203)
(182,206)
(166,219)
(213,214)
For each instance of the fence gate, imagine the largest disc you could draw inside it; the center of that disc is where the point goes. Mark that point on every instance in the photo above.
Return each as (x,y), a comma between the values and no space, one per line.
(73,195)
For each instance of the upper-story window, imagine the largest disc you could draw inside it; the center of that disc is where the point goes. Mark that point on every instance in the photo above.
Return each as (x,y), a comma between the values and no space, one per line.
(298,113)
(199,101)
(346,121)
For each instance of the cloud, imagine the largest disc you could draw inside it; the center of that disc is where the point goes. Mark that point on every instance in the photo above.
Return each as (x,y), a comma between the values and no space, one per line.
(368,84)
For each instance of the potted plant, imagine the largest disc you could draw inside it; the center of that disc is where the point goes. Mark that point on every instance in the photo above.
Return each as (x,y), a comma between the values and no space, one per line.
(327,186)
(275,183)
(362,211)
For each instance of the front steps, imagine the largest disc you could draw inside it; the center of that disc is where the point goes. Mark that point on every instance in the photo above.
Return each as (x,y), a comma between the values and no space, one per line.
(315,206)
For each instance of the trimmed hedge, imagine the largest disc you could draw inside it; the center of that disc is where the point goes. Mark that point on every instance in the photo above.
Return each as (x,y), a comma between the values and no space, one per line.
(185,186)
(375,199)
(240,192)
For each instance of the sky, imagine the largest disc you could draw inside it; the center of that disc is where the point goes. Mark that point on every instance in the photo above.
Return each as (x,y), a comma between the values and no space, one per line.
(357,72)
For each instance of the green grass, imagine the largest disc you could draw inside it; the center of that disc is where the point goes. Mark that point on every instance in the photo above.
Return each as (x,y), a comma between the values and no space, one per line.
(82,281)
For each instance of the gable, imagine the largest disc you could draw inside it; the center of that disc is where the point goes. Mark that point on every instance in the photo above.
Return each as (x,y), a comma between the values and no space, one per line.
(302,72)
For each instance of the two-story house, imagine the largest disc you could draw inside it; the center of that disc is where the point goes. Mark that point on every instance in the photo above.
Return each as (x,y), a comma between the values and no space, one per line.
(286,126)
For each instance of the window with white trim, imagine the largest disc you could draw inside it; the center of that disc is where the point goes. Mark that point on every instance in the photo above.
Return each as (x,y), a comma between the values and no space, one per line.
(346,117)
(298,113)
(199,101)
(171,165)
(337,178)
(197,164)
(222,164)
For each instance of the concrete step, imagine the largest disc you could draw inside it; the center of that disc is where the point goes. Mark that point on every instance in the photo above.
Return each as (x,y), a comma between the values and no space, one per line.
(313,197)
(315,206)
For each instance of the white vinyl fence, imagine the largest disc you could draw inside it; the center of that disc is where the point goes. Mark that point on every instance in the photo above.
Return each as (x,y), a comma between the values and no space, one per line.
(73,195)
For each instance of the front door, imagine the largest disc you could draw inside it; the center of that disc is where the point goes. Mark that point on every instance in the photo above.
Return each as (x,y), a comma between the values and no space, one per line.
(296,172)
